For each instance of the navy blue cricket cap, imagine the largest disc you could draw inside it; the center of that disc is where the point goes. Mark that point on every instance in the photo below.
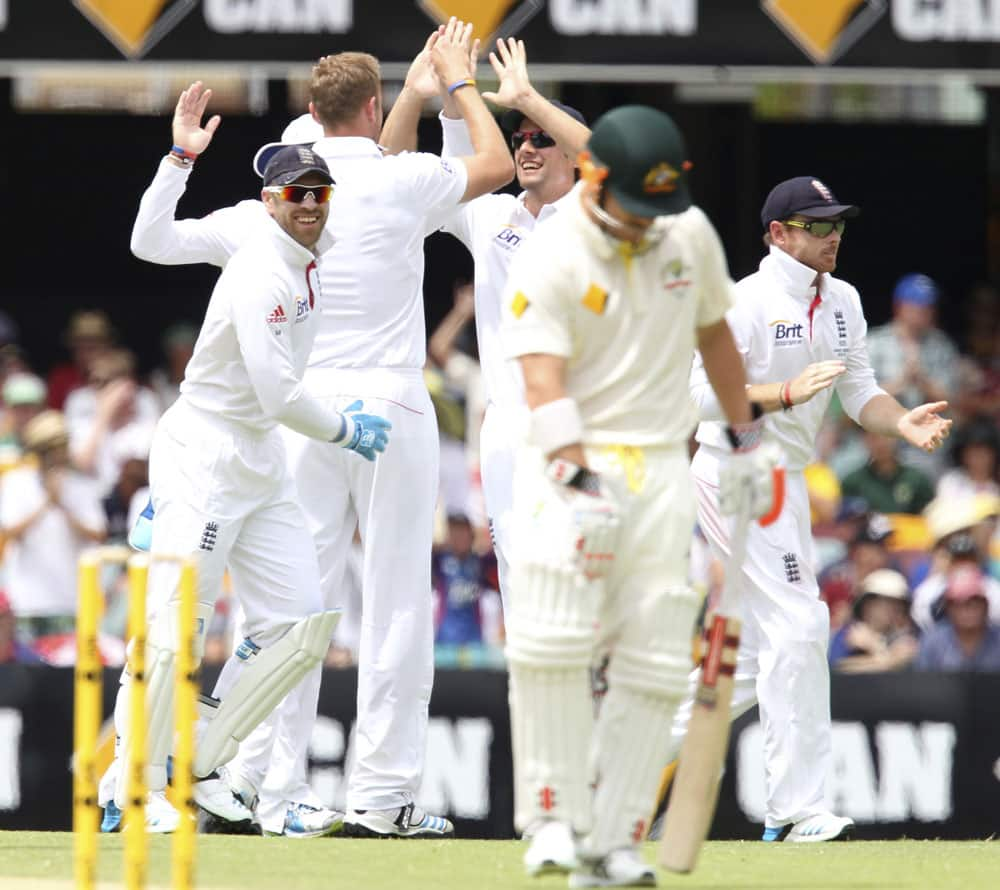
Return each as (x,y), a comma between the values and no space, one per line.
(291,162)
(511,119)
(805,195)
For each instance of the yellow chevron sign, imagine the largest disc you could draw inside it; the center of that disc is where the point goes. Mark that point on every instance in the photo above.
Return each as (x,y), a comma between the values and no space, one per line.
(489,18)
(135,25)
(825,29)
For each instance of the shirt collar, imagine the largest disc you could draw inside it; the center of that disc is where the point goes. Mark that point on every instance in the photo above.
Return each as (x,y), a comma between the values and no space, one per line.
(796,278)
(293,252)
(547,209)
(347,147)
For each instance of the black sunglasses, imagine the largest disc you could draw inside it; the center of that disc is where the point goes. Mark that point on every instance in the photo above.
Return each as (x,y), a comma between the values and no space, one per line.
(821,228)
(538,138)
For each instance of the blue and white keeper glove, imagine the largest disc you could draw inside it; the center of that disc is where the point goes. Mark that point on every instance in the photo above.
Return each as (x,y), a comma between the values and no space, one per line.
(366,434)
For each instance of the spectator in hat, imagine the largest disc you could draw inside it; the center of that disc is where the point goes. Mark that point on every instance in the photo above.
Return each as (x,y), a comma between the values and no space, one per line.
(966,639)
(976,458)
(48,514)
(88,335)
(23,399)
(914,359)
(953,526)
(866,553)
(880,635)
(887,485)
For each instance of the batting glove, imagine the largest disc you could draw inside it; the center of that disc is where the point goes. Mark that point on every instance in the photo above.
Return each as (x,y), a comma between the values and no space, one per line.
(749,473)
(365,434)
(594,515)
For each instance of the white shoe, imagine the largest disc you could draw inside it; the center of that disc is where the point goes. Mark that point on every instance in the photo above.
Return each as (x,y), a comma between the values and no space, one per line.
(405,821)
(552,850)
(303,820)
(619,868)
(161,815)
(215,796)
(821,827)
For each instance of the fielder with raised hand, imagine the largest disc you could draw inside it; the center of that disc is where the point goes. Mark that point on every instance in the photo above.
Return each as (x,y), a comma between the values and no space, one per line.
(370,343)
(603,309)
(222,491)
(800,333)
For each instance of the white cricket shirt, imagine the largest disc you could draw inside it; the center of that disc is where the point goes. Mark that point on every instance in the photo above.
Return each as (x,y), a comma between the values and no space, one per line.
(256,339)
(493,228)
(382,209)
(778,336)
(626,323)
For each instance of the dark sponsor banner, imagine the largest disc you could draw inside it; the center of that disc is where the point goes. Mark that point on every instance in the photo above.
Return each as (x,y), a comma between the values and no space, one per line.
(914,755)
(846,33)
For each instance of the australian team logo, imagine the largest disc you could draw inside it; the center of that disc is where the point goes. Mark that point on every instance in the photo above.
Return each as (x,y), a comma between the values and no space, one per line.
(135,26)
(661,179)
(825,29)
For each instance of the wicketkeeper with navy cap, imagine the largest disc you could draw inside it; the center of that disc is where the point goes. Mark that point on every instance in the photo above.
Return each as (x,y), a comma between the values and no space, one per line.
(223,493)
(603,310)
(800,333)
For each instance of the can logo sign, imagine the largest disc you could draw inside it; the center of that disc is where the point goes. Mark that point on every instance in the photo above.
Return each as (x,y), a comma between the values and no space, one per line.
(825,30)
(134,26)
(487,17)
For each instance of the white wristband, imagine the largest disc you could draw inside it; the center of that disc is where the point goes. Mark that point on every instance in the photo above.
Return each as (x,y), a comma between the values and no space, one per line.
(346,431)
(555,425)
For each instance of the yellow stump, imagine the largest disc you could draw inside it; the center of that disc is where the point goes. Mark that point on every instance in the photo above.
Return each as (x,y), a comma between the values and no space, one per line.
(186,713)
(136,842)
(86,723)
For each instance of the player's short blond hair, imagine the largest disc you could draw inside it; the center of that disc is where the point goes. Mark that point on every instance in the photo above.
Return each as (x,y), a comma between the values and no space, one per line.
(342,84)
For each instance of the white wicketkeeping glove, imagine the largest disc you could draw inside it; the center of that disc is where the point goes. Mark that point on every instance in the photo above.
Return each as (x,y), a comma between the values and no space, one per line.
(748,474)
(594,517)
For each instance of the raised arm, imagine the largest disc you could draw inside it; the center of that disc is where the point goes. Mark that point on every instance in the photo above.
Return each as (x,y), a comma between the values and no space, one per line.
(491,167)
(399,131)
(156,235)
(510,62)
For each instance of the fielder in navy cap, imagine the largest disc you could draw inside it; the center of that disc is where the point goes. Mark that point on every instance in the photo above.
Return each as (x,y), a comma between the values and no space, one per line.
(803,196)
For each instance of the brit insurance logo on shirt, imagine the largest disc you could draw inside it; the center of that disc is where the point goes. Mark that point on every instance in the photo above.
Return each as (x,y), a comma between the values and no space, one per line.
(787,333)
(508,238)
(301,309)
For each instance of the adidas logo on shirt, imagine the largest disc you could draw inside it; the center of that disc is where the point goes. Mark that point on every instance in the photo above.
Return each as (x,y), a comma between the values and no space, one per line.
(277,316)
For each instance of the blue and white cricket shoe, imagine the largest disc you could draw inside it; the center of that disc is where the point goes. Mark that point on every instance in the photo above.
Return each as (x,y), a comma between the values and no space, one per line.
(405,821)
(112,820)
(303,820)
(813,829)
(141,536)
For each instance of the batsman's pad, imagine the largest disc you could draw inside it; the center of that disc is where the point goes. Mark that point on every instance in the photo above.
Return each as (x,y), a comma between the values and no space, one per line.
(161,652)
(267,677)
(550,640)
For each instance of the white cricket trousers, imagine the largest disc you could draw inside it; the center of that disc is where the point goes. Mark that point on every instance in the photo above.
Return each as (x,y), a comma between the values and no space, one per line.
(392,502)
(498,440)
(226,497)
(782,661)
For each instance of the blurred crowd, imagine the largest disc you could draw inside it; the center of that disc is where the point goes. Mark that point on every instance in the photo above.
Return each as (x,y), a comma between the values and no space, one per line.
(907,544)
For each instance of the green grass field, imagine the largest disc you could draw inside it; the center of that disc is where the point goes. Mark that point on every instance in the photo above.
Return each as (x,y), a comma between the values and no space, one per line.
(43,860)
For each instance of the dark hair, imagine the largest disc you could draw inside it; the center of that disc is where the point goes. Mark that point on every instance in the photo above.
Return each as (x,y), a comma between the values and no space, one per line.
(978,430)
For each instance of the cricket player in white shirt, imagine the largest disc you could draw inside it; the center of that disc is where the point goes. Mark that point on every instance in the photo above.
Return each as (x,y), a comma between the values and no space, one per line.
(604,308)
(546,137)
(222,491)
(800,333)
(371,343)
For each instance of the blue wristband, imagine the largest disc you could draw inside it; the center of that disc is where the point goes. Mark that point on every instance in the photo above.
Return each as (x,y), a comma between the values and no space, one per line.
(458,84)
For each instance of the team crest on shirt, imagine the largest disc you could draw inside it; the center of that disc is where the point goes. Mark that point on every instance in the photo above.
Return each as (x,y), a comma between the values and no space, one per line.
(674,278)
(787,333)
(508,238)
(841,349)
